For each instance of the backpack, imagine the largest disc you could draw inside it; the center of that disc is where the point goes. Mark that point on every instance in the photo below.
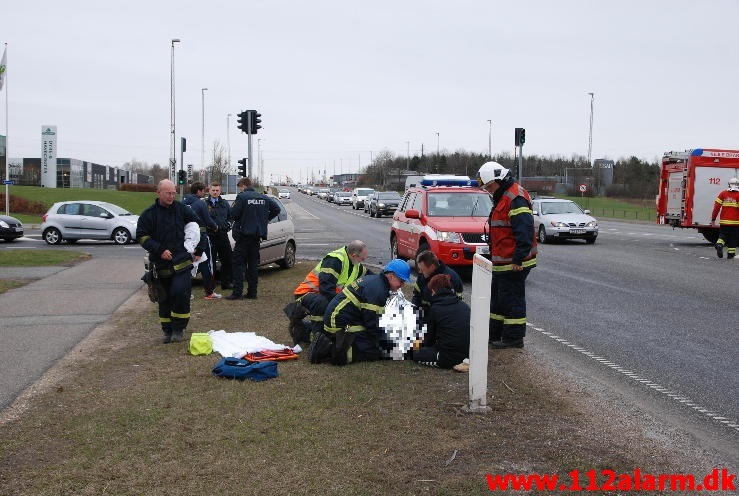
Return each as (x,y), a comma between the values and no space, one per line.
(236,368)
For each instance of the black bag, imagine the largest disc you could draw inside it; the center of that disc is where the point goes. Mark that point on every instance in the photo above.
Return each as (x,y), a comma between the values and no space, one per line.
(152,284)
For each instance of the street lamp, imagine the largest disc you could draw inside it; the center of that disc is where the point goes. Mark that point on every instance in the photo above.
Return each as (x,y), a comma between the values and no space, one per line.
(172,145)
(259,160)
(202,136)
(590,135)
(228,146)
(490,139)
(437,145)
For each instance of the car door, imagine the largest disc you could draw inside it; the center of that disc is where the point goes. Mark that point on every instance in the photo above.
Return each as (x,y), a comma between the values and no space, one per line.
(415,226)
(274,247)
(402,227)
(68,218)
(536,207)
(95,222)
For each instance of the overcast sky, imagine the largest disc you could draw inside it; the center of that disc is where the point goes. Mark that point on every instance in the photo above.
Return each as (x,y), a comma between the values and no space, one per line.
(335,80)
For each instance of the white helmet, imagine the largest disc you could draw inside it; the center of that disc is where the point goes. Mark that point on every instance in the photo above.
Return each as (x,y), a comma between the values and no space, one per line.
(733,184)
(491,171)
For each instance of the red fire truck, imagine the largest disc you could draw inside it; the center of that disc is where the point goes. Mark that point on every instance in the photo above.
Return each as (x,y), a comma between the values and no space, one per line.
(689,183)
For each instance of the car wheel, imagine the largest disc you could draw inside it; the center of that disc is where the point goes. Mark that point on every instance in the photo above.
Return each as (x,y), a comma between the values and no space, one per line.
(543,238)
(121,236)
(591,240)
(52,236)
(289,260)
(394,248)
(422,247)
(9,240)
(372,213)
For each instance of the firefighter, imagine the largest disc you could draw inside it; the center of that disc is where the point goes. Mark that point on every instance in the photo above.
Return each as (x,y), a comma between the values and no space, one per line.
(161,232)
(251,212)
(351,331)
(336,270)
(220,244)
(513,253)
(429,266)
(727,202)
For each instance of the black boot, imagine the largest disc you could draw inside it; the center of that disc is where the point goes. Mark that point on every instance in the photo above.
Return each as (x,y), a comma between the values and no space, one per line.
(234,296)
(499,345)
(720,250)
(177,336)
(167,336)
(319,350)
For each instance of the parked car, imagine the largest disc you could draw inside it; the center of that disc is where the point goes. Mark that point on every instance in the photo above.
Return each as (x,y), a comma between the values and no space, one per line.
(383,203)
(563,219)
(74,220)
(280,246)
(446,216)
(323,193)
(359,196)
(343,198)
(283,193)
(10,228)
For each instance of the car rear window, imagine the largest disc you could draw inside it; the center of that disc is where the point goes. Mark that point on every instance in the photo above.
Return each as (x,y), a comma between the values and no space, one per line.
(388,196)
(459,204)
(69,209)
(365,192)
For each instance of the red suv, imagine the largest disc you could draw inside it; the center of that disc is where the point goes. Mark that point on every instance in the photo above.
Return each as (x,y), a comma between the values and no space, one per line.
(449,220)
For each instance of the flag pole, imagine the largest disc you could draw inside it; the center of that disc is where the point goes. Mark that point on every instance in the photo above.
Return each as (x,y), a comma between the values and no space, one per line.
(7,155)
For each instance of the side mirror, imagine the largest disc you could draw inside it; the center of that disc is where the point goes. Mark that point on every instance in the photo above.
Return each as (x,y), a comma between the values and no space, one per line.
(535,212)
(106,215)
(587,212)
(413,214)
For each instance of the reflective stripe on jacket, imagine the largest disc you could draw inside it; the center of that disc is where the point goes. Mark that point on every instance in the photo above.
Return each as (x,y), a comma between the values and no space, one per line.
(325,278)
(504,237)
(728,203)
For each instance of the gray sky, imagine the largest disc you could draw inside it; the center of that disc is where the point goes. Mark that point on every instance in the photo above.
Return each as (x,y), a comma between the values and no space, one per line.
(337,79)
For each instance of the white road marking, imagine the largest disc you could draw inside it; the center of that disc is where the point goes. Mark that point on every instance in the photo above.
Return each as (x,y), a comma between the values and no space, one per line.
(680,399)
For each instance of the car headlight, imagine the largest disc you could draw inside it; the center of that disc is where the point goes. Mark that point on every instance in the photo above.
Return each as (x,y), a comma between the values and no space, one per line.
(559,224)
(449,237)
(4,224)
(381,205)
(592,224)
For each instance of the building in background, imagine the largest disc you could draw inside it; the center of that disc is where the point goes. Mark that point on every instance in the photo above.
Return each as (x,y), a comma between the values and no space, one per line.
(73,173)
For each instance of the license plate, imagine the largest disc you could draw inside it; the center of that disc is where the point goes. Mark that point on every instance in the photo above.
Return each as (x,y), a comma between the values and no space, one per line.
(577,231)
(483,250)
(18,229)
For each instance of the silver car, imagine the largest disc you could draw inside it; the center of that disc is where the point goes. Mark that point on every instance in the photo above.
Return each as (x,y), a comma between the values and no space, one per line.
(563,219)
(74,220)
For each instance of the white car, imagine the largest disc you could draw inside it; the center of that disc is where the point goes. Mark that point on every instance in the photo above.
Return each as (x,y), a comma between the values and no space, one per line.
(555,218)
(74,220)
(359,196)
(283,193)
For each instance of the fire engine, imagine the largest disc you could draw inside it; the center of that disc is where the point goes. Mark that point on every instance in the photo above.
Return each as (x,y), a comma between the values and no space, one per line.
(689,183)
(445,214)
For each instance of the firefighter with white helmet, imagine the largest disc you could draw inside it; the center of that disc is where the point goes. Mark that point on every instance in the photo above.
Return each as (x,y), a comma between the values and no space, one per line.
(512,251)
(727,202)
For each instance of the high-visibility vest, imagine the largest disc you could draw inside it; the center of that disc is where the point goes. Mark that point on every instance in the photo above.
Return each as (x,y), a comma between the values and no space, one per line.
(502,240)
(311,284)
(728,203)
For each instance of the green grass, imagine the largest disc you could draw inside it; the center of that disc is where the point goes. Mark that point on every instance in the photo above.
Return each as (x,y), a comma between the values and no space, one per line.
(6,284)
(28,218)
(134,202)
(611,208)
(28,258)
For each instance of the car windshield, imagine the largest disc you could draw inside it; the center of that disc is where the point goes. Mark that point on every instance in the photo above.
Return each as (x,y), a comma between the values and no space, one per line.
(563,207)
(459,204)
(388,196)
(344,194)
(365,192)
(115,209)
(284,191)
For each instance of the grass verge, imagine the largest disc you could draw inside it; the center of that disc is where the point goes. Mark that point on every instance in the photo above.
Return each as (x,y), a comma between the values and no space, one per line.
(611,208)
(133,416)
(6,284)
(29,258)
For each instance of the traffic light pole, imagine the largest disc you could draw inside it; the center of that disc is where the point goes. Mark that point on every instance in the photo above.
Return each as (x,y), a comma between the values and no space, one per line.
(248,127)
(520,163)
(182,161)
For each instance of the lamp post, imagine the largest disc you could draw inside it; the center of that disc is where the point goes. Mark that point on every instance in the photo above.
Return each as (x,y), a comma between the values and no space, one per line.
(437,145)
(172,144)
(590,135)
(228,147)
(490,139)
(202,136)
(259,160)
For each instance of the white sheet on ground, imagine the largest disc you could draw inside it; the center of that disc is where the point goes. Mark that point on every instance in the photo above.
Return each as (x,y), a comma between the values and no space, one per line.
(238,344)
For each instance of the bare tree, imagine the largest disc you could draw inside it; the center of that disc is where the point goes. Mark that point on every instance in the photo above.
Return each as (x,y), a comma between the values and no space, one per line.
(218,169)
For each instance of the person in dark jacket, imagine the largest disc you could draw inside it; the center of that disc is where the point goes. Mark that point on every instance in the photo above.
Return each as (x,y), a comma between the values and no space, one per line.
(195,201)
(447,339)
(251,212)
(428,266)
(219,210)
(161,232)
(351,331)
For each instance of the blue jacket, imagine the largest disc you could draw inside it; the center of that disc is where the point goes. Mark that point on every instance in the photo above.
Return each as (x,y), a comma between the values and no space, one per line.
(251,212)
(201,210)
(359,306)
(220,212)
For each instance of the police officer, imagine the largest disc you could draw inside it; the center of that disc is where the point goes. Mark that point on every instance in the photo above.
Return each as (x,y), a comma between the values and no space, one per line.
(336,270)
(351,330)
(251,212)
(513,253)
(220,244)
(727,202)
(161,232)
(429,266)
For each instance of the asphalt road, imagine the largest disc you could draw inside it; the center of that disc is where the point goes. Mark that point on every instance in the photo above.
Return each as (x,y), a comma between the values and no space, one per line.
(647,310)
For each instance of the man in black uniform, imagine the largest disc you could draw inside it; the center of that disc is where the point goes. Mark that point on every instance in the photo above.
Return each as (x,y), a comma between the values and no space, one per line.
(161,232)
(251,212)
(429,266)
(220,245)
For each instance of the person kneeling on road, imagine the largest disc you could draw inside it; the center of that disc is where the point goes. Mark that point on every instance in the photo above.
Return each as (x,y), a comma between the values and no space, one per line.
(335,271)
(447,339)
(429,266)
(351,331)
(161,232)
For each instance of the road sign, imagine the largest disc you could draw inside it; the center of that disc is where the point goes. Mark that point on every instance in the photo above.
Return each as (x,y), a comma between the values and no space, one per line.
(583,188)
(7,181)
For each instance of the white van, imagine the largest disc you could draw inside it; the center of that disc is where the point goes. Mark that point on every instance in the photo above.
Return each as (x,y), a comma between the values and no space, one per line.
(359,196)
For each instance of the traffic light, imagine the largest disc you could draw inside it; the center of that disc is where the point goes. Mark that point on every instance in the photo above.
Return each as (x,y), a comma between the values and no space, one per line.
(255,120)
(520,136)
(243,122)
(242,167)
(183,145)
(181,177)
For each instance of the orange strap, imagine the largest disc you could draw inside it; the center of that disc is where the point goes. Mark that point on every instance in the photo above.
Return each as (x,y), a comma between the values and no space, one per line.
(271,356)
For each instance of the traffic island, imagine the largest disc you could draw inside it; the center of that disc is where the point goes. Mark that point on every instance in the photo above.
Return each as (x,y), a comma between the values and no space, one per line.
(125,414)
